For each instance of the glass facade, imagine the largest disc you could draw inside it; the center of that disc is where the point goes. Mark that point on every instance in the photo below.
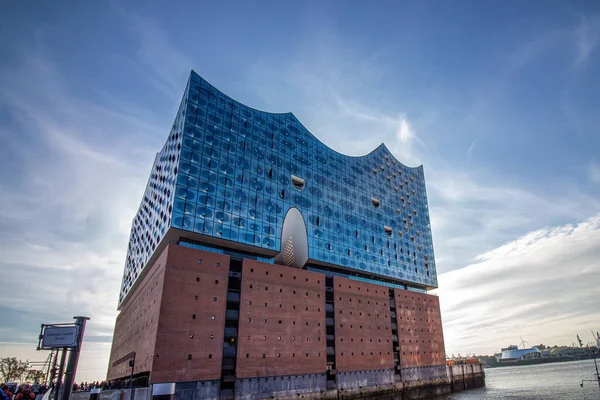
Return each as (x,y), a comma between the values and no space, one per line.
(231,172)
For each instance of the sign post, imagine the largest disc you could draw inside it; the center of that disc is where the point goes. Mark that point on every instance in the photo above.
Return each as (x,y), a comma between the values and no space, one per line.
(61,369)
(66,337)
(52,373)
(74,358)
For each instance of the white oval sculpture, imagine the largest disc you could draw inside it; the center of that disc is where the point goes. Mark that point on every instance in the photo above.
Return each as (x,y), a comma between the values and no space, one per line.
(294,240)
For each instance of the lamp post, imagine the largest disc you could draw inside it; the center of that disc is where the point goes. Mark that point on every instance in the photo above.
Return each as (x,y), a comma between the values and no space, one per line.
(132,365)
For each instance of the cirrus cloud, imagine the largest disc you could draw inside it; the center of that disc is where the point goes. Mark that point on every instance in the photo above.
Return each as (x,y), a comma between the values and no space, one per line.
(541,286)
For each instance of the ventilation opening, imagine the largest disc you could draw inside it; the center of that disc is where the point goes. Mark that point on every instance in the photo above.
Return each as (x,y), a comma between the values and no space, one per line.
(375,202)
(387,230)
(298,182)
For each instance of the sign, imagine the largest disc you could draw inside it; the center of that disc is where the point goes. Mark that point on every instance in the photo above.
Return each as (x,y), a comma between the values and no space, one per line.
(56,337)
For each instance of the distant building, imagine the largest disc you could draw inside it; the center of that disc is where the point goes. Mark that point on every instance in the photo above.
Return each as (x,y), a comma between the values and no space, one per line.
(512,353)
(263,263)
(571,351)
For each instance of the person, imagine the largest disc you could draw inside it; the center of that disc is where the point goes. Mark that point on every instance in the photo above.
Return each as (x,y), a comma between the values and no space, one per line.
(25,393)
(12,387)
(6,394)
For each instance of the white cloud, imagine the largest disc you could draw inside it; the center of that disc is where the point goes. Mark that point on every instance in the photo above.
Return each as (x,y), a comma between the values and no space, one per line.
(73,184)
(406,146)
(541,286)
(471,214)
(405,132)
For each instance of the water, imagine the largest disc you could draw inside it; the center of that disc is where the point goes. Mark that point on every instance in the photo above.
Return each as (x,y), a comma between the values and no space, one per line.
(558,381)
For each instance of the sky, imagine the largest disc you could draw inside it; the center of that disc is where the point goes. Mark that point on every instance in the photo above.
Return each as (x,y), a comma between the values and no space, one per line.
(499,100)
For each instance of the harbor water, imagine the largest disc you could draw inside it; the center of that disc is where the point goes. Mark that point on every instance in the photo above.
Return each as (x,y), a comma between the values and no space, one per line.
(560,381)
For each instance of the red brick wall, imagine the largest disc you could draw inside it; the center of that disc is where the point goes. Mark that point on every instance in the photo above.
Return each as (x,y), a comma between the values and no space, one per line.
(156,322)
(292,339)
(136,325)
(191,288)
(363,335)
(419,329)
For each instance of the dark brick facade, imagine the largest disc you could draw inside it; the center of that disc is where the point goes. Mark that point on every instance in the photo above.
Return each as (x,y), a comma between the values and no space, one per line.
(174,320)
(195,284)
(363,336)
(137,324)
(419,329)
(282,321)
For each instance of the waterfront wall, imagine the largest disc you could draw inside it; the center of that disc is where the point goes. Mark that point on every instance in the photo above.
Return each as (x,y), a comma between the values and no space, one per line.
(454,378)
(466,376)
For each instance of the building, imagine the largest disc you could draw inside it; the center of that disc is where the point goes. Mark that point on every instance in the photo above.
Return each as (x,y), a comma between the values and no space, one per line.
(512,353)
(262,263)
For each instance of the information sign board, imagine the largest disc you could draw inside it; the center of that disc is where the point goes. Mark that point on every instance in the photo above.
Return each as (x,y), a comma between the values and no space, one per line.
(56,337)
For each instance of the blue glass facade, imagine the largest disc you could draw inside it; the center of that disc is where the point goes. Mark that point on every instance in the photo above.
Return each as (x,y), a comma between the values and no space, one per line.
(230,172)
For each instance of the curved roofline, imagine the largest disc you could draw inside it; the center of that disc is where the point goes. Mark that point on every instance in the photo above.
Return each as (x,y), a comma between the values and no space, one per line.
(237,101)
(307,130)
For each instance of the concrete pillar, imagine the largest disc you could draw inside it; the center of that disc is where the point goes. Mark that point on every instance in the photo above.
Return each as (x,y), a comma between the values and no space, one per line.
(163,391)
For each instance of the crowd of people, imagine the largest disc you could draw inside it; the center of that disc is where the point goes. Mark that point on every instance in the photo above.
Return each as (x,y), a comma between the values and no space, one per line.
(21,392)
(86,387)
(13,391)
(110,385)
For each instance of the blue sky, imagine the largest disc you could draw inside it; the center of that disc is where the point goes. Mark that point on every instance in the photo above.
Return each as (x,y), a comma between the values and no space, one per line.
(500,100)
